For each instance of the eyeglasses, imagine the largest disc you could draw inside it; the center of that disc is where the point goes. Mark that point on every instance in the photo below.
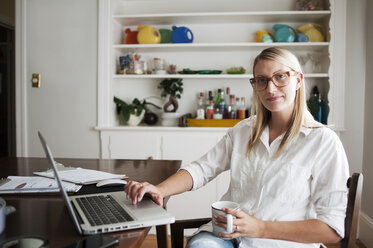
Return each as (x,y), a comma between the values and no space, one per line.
(280,79)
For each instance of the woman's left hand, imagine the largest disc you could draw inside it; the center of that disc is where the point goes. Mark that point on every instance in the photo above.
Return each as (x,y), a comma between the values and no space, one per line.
(244,225)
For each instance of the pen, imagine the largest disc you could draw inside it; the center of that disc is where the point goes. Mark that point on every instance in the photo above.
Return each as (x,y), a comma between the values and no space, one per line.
(21,186)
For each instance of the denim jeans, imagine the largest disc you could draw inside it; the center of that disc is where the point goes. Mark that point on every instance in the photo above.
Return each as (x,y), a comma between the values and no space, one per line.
(209,240)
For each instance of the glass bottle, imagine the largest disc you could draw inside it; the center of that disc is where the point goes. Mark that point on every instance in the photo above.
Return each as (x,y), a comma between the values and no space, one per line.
(222,101)
(238,103)
(210,110)
(227,96)
(241,109)
(232,113)
(209,98)
(200,114)
(314,104)
(218,114)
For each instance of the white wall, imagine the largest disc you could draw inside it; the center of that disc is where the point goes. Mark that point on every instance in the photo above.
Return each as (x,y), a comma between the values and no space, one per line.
(60,38)
(366,225)
(352,138)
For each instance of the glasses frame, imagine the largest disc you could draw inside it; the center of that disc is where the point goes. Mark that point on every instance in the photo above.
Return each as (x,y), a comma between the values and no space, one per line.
(289,73)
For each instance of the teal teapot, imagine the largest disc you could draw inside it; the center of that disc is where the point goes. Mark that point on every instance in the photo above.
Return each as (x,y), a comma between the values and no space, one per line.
(284,33)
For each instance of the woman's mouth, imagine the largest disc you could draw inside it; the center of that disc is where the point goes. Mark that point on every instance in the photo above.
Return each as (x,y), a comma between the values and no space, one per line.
(273,98)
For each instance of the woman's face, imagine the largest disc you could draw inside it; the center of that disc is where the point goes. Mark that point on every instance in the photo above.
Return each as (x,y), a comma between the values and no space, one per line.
(277,99)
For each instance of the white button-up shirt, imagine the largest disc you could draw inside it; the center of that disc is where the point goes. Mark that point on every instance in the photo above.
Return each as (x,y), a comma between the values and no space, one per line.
(306,181)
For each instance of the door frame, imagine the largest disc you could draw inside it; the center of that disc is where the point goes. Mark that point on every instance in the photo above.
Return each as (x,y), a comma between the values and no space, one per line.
(21,77)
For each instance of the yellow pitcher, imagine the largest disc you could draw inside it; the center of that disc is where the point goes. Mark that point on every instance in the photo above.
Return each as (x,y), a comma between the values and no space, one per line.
(148,35)
(314,32)
(259,35)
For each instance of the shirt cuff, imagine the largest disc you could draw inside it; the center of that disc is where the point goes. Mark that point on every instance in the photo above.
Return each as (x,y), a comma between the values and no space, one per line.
(335,221)
(195,173)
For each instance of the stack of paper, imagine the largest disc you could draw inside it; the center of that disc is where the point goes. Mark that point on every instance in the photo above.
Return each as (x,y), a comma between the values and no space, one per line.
(80,175)
(18,184)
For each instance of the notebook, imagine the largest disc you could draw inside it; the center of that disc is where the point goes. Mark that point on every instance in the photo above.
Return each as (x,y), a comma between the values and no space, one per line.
(108,212)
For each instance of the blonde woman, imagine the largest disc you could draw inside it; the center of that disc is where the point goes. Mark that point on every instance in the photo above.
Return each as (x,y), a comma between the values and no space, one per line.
(288,172)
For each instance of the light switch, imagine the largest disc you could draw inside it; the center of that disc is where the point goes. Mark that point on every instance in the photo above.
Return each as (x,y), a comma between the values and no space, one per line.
(36,80)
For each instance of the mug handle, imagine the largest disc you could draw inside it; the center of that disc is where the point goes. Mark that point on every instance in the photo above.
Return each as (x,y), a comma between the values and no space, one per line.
(190,35)
(229,223)
(321,29)
(295,33)
(9,210)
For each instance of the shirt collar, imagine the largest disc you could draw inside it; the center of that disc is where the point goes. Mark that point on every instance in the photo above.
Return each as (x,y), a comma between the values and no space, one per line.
(265,135)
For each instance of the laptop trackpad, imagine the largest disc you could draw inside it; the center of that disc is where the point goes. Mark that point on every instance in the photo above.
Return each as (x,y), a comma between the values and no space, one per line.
(147,209)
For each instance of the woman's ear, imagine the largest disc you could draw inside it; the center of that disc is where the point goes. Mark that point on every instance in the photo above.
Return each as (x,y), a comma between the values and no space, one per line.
(300,80)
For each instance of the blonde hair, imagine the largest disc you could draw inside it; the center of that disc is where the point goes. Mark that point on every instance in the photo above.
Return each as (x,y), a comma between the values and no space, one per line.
(300,117)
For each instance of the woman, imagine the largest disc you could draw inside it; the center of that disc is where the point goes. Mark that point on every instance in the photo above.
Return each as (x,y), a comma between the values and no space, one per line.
(288,172)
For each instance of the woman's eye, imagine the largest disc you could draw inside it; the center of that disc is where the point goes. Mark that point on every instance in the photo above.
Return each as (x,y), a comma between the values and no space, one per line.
(281,76)
(261,80)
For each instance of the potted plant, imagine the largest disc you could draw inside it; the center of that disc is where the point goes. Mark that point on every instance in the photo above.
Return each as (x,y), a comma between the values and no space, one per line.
(172,87)
(132,113)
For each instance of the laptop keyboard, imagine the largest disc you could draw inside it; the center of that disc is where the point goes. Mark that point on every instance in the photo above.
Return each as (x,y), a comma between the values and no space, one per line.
(103,210)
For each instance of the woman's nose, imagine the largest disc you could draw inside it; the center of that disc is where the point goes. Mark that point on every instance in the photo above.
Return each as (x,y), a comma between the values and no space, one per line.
(271,86)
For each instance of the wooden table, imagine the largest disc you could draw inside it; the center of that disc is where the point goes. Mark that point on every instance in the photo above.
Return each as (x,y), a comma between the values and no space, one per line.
(45,214)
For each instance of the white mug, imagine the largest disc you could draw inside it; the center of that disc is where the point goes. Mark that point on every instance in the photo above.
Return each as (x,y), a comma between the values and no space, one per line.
(216,209)
(4,211)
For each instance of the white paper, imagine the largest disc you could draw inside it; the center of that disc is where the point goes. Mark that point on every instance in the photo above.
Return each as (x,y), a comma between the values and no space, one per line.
(19,184)
(80,175)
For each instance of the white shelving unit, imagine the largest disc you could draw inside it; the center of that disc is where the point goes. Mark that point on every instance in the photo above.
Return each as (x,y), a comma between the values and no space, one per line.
(224,36)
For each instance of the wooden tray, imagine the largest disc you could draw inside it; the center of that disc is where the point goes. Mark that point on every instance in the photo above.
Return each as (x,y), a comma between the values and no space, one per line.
(212,123)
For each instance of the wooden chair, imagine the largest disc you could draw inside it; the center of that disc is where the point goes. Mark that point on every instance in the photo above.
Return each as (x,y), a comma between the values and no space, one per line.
(355,185)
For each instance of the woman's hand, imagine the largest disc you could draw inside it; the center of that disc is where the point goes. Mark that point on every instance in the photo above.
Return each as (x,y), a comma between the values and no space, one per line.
(136,192)
(244,224)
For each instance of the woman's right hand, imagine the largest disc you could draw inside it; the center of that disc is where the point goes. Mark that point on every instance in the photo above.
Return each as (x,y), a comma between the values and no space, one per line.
(136,191)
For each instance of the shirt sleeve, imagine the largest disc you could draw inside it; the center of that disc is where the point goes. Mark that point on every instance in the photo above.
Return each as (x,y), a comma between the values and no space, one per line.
(212,163)
(329,182)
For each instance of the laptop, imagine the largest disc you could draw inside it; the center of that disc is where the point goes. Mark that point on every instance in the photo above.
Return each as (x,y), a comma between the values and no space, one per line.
(110,211)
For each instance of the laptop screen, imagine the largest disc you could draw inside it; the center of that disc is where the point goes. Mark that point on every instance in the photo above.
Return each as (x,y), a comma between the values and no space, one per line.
(62,190)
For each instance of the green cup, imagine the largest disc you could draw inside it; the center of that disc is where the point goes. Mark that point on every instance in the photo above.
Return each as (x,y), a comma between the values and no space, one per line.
(166,35)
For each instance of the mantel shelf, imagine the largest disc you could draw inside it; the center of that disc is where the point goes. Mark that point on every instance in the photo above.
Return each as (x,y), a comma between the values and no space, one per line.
(208,76)
(159,128)
(226,17)
(173,129)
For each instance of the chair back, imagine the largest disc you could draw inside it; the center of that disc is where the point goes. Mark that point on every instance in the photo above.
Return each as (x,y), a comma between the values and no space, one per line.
(355,185)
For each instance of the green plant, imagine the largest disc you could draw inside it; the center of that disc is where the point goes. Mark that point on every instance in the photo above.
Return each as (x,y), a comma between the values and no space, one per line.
(171,86)
(174,88)
(135,108)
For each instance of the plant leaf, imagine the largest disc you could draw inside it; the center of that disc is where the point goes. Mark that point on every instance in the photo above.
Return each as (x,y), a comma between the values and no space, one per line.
(126,115)
(149,103)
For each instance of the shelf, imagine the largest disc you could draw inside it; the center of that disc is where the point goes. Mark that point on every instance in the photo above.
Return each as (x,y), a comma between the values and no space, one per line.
(161,128)
(222,17)
(230,46)
(209,76)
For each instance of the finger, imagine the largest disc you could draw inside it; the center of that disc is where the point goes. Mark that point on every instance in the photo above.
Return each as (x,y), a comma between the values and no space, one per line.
(230,235)
(143,189)
(220,224)
(220,218)
(135,192)
(235,212)
(158,199)
(127,189)
(132,192)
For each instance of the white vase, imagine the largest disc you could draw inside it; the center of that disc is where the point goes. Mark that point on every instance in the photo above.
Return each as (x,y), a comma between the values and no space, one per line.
(135,120)
(171,119)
